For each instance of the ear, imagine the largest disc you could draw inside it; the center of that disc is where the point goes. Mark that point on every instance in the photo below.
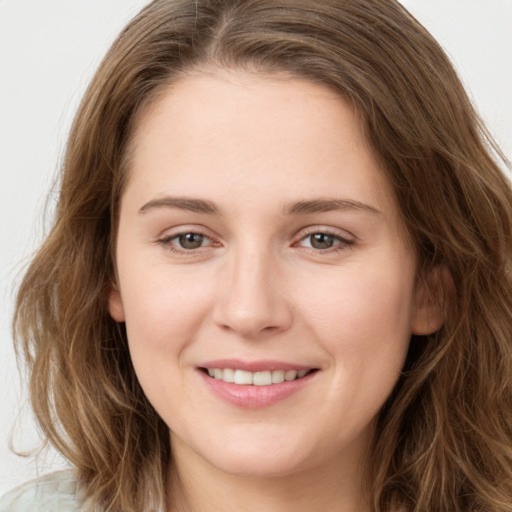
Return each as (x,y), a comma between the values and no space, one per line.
(432,295)
(115,304)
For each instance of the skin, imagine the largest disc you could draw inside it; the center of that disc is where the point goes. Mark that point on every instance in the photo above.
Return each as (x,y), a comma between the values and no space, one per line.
(258,288)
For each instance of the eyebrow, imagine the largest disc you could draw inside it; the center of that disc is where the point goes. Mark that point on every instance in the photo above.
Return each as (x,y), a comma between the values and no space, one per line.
(182,203)
(296,208)
(326,205)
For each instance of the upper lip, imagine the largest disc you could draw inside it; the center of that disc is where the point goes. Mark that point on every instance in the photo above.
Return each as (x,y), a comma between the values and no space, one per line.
(254,366)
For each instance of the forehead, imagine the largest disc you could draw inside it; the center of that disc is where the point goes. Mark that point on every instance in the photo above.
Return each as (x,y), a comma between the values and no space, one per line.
(255,136)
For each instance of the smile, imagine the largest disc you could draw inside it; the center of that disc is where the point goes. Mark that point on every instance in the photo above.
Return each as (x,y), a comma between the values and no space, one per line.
(255,384)
(262,378)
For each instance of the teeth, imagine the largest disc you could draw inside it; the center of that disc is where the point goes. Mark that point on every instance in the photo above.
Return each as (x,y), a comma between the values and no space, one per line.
(242,377)
(277,376)
(246,378)
(290,375)
(228,375)
(262,378)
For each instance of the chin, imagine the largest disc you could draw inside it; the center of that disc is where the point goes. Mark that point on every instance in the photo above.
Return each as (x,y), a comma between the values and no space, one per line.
(265,459)
(258,465)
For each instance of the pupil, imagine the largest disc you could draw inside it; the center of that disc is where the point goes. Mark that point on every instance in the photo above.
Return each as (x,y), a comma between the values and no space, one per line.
(321,241)
(191,240)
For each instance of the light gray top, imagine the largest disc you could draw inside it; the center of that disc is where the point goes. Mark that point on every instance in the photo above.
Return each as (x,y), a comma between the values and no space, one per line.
(55,492)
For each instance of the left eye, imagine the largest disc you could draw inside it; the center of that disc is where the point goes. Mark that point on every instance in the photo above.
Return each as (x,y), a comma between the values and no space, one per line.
(323,241)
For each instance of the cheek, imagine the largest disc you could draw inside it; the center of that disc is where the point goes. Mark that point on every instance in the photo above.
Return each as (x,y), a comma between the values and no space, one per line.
(363,313)
(163,308)
(163,315)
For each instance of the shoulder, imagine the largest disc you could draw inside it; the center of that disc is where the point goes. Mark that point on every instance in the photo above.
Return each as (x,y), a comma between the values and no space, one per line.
(56,491)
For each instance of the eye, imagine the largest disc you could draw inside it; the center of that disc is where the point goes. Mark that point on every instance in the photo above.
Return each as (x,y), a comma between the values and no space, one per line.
(190,240)
(321,240)
(324,241)
(184,242)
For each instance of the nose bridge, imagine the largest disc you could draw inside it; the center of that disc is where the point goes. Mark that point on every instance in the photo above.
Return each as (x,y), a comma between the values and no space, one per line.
(253,296)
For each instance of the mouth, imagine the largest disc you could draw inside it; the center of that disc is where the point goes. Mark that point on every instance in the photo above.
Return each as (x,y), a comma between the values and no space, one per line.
(255,384)
(260,378)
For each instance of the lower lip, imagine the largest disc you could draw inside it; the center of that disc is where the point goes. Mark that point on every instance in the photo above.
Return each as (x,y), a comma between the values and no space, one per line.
(254,397)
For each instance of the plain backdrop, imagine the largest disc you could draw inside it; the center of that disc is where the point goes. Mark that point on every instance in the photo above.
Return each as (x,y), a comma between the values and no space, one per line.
(49,50)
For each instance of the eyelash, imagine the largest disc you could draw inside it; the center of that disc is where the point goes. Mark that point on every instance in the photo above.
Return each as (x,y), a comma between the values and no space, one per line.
(166,242)
(341,243)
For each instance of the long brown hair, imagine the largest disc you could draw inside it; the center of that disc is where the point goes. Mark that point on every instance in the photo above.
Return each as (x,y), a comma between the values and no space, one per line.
(444,438)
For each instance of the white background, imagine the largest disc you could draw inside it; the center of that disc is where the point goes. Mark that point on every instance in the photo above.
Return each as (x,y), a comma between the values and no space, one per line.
(48,52)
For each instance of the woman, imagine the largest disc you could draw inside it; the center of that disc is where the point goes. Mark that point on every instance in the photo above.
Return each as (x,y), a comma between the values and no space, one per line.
(270,210)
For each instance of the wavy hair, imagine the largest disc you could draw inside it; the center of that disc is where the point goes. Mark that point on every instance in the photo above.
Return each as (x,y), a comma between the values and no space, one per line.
(444,437)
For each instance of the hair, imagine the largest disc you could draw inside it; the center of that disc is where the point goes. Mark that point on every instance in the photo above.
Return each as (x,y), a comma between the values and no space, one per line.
(444,437)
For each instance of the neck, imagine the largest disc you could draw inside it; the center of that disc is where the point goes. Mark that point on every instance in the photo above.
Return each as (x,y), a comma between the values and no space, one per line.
(197,486)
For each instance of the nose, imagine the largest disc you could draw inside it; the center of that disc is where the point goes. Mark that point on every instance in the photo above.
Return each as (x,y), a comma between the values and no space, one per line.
(253,296)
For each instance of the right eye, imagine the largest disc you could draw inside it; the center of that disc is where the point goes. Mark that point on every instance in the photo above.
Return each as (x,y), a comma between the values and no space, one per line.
(185,242)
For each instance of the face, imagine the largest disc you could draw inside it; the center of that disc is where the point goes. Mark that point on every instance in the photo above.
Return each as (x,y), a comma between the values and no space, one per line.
(264,277)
